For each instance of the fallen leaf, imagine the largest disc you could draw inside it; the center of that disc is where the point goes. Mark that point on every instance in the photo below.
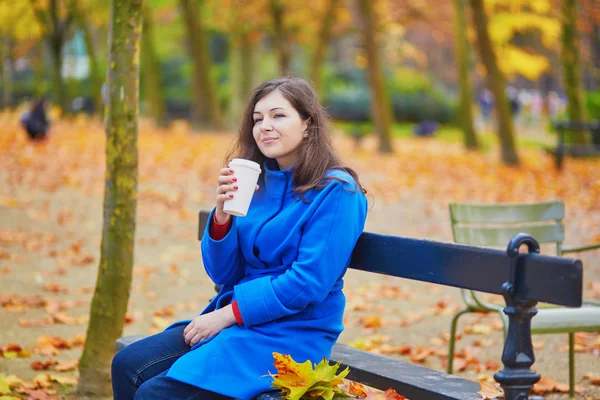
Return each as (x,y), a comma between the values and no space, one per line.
(63,380)
(594,379)
(357,389)
(66,366)
(43,365)
(371,321)
(8,382)
(391,394)
(544,385)
(421,355)
(489,391)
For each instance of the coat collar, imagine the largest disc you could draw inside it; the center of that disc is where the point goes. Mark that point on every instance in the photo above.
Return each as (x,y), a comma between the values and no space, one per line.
(277,182)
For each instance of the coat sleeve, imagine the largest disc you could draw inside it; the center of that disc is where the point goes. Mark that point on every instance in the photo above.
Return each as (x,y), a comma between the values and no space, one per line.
(323,255)
(222,259)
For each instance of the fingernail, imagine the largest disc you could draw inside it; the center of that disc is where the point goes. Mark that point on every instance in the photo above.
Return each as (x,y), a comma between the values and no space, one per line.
(230,195)
(231,171)
(235,187)
(234,179)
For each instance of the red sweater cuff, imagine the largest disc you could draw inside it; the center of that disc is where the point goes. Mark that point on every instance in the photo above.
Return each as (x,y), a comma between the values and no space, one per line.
(219,231)
(236,313)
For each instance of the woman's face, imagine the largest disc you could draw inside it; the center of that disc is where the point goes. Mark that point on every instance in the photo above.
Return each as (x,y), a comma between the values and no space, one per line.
(278,129)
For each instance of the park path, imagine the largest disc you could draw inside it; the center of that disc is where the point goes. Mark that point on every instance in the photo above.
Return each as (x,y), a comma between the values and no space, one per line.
(51,230)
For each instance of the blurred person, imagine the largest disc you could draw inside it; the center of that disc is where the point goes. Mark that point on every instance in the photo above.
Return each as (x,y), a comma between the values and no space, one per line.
(486,101)
(513,99)
(525,98)
(554,106)
(537,106)
(35,121)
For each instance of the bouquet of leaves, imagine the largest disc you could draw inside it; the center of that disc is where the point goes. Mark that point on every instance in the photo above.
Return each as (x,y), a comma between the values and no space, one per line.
(300,381)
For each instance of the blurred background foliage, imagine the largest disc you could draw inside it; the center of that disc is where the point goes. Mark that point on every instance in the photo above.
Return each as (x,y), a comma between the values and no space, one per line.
(201,58)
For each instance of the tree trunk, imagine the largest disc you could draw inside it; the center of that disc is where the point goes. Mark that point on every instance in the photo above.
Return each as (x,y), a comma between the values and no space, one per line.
(242,68)
(206,106)
(151,72)
(381,108)
(96,78)
(571,70)
(109,304)
(58,86)
(56,39)
(7,72)
(495,81)
(39,78)
(596,53)
(321,47)
(281,37)
(462,59)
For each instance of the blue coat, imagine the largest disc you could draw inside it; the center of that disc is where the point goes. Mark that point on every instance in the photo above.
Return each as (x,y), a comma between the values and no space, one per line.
(284,264)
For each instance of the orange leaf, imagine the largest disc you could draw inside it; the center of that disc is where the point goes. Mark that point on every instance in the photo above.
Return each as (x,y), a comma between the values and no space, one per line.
(544,385)
(357,389)
(66,366)
(594,379)
(391,394)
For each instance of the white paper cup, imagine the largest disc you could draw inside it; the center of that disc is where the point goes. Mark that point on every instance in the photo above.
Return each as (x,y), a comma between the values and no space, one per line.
(247,173)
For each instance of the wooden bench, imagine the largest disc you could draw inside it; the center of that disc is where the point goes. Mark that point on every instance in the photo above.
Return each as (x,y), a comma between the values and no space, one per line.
(563,148)
(522,278)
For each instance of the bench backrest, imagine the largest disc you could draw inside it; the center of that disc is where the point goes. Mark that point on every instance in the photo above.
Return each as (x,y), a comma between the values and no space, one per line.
(496,224)
(555,280)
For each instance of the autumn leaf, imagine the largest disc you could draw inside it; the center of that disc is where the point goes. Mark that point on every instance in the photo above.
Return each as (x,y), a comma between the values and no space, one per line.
(544,385)
(391,394)
(8,382)
(298,381)
(489,391)
(357,389)
(63,380)
(66,366)
(594,379)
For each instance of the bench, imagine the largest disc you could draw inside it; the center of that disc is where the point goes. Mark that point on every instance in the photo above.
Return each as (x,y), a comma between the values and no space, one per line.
(522,278)
(563,149)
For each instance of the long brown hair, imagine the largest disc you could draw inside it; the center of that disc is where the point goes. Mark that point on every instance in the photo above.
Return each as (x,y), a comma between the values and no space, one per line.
(316,154)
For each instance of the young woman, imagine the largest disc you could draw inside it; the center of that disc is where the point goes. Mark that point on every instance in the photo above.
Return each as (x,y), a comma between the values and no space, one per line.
(281,266)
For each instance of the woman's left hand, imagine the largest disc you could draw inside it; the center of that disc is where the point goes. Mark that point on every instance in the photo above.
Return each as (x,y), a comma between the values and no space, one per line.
(208,325)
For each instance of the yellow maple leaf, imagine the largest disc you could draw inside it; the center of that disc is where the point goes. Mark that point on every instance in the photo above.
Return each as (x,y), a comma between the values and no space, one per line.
(301,381)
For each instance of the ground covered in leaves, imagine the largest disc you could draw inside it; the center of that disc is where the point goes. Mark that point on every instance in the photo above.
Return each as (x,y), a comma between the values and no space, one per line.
(51,212)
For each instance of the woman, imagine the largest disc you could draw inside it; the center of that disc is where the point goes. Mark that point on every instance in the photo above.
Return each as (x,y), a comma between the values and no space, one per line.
(281,266)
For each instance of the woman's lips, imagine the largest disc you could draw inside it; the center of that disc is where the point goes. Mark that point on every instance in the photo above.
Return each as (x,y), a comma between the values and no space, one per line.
(269,140)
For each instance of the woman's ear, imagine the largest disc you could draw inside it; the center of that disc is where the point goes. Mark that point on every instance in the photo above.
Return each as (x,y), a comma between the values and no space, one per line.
(307,123)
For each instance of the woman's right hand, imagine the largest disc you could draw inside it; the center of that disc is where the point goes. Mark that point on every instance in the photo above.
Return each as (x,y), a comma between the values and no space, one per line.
(227,185)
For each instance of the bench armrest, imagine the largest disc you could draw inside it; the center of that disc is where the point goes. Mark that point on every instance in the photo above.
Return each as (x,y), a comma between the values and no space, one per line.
(580,249)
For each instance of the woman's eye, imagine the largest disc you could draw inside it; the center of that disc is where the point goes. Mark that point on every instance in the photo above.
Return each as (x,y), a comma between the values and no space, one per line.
(257,120)
(279,115)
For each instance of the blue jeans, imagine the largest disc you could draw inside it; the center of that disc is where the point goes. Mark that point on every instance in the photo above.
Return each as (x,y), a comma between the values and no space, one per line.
(139,370)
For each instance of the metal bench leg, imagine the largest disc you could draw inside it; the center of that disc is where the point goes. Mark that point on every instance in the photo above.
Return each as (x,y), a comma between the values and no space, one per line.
(452,340)
(572,365)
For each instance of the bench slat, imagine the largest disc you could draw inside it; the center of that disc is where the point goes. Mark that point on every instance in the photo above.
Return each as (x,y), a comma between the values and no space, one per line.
(555,280)
(517,213)
(410,380)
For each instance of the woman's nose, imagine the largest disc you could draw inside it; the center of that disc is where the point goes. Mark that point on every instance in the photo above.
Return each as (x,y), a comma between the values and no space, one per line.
(266,125)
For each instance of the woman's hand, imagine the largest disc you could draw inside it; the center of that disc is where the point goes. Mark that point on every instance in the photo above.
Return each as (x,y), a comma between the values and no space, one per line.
(208,325)
(226,183)
(225,190)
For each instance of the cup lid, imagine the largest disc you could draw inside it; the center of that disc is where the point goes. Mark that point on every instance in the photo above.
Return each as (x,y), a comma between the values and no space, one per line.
(245,163)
